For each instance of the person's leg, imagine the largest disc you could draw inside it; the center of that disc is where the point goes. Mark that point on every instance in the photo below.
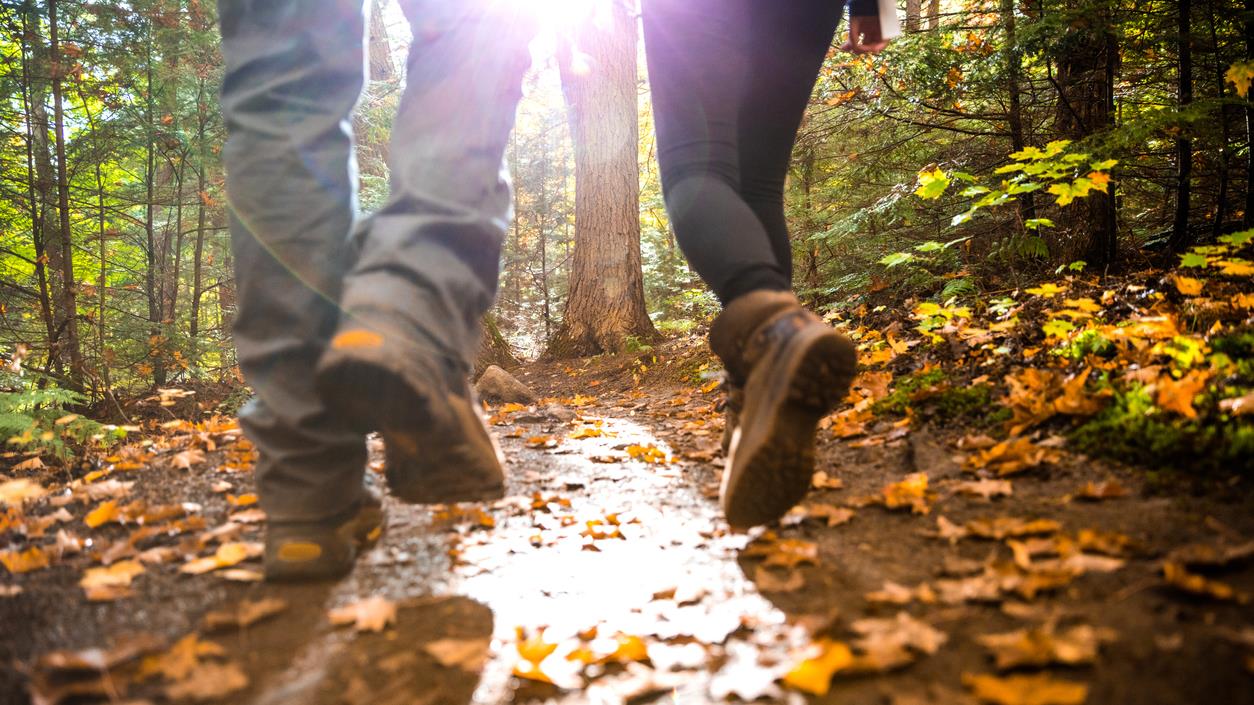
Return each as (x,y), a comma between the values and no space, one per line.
(784,365)
(786,50)
(429,258)
(698,59)
(294,69)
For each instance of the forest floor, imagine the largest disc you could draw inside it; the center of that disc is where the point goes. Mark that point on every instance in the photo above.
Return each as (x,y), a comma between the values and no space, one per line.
(958,547)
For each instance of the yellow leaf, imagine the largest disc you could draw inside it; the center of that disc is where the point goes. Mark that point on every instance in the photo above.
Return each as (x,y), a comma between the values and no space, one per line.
(15,492)
(814,675)
(227,555)
(1188,286)
(587,432)
(910,492)
(1026,690)
(24,561)
(104,513)
(110,582)
(243,500)
(1046,289)
(511,408)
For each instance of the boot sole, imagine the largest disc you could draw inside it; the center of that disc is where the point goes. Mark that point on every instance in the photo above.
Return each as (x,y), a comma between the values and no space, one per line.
(428,462)
(770,463)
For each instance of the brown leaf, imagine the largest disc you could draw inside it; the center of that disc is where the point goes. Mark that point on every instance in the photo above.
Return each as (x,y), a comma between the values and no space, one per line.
(1177,577)
(896,594)
(370,615)
(1107,489)
(467,654)
(1200,555)
(104,513)
(1026,690)
(1043,646)
(1011,457)
(786,553)
(988,489)
(901,632)
(186,459)
(999,528)
(180,660)
(769,580)
(822,481)
(209,681)
(17,492)
(831,515)
(243,615)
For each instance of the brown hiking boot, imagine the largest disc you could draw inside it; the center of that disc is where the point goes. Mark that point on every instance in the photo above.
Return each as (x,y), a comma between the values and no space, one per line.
(321,550)
(733,402)
(793,369)
(438,447)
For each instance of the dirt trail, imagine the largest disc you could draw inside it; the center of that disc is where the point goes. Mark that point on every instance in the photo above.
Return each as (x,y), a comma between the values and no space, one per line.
(610,525)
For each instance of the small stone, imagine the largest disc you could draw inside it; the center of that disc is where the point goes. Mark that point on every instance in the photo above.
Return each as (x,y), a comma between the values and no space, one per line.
(496,385)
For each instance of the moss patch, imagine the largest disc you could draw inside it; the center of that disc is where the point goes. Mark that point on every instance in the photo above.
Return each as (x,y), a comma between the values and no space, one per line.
(933,395)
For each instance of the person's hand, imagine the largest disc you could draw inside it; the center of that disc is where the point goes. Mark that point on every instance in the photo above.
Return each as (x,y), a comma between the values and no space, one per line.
(864,36)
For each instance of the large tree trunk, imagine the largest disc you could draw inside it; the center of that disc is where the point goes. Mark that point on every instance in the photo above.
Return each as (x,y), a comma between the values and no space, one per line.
(933,14)
(1225,128)
(382,68)
(605,305)
(1087,58)
(64,243)
(914,12)
(1180,237)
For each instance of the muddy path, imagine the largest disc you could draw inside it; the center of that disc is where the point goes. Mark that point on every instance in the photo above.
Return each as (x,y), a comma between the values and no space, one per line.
(608,572)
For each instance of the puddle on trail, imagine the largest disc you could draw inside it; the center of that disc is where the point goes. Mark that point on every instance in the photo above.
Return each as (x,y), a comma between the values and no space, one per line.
(591,548)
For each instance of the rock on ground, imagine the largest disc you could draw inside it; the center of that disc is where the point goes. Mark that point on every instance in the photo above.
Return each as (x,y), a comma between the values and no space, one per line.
(498,386)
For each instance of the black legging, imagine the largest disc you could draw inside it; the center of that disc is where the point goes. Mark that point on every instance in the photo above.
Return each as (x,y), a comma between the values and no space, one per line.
(730,81)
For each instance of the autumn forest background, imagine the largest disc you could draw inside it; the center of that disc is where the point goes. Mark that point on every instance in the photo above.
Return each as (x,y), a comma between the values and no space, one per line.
(1035,219)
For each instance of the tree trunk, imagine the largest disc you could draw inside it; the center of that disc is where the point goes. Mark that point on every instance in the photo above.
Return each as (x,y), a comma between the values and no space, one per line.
(1225,129)
(914,12)
(36,190)
(605,305)
(1180,237)
(933,14)
(69,297)
(1087,58)
(1014,69)
(494,349)
(1249,121)
(382,68)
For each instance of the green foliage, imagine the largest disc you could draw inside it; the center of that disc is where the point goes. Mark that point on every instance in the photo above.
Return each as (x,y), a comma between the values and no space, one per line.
(932,394)
(1132,429)
(34,417)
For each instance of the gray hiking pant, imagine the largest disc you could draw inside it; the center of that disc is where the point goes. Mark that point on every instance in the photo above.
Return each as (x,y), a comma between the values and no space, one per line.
(294,71)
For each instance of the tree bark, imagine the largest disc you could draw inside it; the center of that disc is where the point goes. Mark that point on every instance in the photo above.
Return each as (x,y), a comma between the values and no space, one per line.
(605,305)
(1249,120)
(69,297)
(36,189)
(1014,69)
(1087,57)
(933,14)
(1180,236)
(382,68)
(914,12)
(1225,129)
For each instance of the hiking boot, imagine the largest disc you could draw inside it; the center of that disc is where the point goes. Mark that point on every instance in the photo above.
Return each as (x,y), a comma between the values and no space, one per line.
(794,369)
(438,447)
(324,549)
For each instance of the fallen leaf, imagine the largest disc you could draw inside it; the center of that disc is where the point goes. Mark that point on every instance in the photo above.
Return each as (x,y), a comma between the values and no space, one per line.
(785,553)
(881,636)
(243,500)
(1043,646)
(769,580)
(822,481)
(243,615)
(227,555)
(370,615)
(1108,489)
(813,674)
(1199,555)
(1011,457)
(32,558)
(895,594)
(1026,690)
(1188,285)
(988,489)
(110,582)
(209,681)
(910,492)
(467,654)
(184,460)
(1178,395)
(999,528)
(1178,577)
(104,513)
(17,492)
